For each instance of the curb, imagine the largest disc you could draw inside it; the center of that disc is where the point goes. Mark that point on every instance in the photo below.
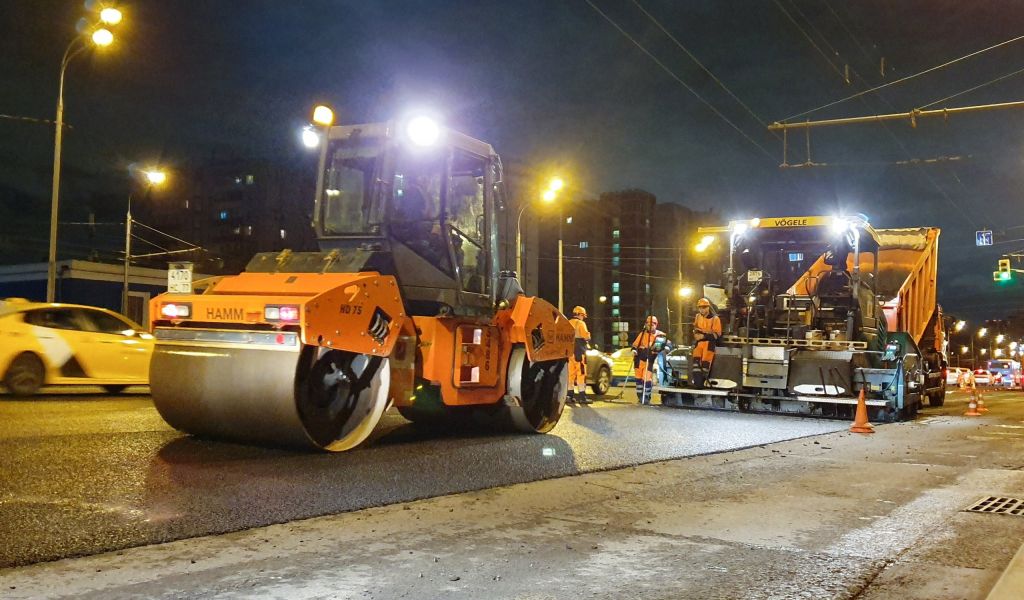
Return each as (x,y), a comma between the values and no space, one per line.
(1011,582)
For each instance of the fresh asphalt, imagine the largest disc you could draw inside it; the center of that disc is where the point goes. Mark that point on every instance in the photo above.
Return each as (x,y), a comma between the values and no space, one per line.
(85,473)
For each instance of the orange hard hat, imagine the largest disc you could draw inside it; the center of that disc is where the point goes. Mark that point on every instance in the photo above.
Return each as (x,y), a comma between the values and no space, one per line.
(704,302)
(579,310)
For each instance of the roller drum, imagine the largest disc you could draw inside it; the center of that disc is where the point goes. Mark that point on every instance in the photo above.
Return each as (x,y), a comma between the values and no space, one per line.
(298,397)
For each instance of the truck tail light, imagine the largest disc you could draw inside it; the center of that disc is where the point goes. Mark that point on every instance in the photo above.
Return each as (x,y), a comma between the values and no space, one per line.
(177,310)
(287,313)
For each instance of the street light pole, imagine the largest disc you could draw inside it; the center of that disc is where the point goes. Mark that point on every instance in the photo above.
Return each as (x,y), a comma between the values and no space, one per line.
(51,270)
(561,219)
(127,256)
(101,37)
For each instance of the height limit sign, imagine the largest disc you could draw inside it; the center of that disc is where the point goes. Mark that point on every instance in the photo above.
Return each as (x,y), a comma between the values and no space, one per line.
(983,238)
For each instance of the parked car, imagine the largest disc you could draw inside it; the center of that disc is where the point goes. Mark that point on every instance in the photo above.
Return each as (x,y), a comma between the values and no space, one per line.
(986,377)
(599,371)
(63,344)
(1009,370)
(623,363)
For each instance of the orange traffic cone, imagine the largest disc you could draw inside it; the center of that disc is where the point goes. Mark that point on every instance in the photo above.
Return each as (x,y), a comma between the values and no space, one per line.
(981,402)
(972,406)
(860,421)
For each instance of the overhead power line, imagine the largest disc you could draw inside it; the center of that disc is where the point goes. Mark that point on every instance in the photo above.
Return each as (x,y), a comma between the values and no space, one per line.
(679,80)
(700,64)
(977,87)
(912,115)
(901,80)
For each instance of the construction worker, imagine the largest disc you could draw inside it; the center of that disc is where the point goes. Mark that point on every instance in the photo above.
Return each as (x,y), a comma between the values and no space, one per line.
(578,364)
(707,328)
(645,350)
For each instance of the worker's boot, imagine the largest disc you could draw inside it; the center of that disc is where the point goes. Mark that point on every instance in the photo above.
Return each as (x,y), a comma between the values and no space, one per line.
(570,398)
(697,378)
(582,396)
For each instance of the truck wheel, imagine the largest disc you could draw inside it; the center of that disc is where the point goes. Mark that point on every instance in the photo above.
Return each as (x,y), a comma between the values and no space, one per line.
(604,381)
(25,375)
(937,399)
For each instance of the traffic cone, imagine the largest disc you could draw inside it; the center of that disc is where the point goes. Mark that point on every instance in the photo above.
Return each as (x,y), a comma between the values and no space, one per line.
(981,402)
(860,421)
(972,406)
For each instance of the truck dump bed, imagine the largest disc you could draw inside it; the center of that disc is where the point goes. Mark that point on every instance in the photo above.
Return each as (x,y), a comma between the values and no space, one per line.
(907,270)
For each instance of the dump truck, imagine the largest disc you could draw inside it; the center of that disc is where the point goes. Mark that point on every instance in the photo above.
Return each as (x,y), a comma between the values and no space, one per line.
(816,309)
(404,305)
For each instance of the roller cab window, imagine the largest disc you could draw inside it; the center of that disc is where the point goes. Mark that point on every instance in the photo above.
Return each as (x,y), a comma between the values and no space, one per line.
(349,205)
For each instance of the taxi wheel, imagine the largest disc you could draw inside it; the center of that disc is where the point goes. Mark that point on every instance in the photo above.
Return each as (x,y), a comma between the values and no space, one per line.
(25,375)
(604,381)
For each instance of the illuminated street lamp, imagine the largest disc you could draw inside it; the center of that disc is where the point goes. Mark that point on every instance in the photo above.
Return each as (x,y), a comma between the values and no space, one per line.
(602,299)
(99,36)
(1000,338)
(982,332)
(705,243)
(685,291)
(555,185)
(152,177)
(959,326)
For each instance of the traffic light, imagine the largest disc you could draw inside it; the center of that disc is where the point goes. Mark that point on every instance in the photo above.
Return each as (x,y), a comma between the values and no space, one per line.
(1004,273)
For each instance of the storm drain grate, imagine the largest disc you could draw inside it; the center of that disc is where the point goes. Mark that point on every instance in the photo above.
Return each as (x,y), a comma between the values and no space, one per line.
(999,505)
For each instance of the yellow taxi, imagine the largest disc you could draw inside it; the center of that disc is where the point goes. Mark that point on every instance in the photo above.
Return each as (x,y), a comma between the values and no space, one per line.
(64,344)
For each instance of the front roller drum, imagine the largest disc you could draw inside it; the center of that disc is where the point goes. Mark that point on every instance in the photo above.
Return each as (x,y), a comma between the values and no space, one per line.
(536,393)
(312,398)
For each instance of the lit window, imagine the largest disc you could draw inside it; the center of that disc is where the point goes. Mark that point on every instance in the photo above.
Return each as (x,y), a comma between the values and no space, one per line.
(647,288)
(186,204)
(616,234)
(250,179)
(615,300)
(284,234)
(248,230)
(223,215)
(238,180)
(237,231)
(615,339)
(568,220)
(615,261)
(584,245)
(616,247)
(615,312)
(615,287)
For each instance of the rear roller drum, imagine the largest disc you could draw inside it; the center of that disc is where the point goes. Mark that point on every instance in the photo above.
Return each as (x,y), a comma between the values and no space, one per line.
(538,390)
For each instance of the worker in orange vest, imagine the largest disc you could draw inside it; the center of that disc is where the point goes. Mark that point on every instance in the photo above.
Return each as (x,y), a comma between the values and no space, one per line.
(578,364)
(645,349)
(707,329)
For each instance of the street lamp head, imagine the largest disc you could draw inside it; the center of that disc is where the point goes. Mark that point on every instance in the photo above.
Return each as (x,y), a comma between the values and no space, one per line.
(602,299)
(556,184)
(155,177)
(960,325)
(310,138)
(323,115)
(983,332)
(685,291)
(102,37)
(110,16)
(548,195)
(1000,338)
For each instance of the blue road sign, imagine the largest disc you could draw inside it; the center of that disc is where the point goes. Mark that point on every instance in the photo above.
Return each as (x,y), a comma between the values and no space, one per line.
(983,238)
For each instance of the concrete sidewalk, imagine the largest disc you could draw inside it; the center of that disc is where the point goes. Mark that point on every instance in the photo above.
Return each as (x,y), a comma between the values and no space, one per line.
(834,516)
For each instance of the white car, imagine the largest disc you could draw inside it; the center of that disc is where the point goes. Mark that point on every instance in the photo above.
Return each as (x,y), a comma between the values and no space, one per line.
(953,375)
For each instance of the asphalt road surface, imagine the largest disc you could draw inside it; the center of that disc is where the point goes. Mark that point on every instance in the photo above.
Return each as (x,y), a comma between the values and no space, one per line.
(85,473)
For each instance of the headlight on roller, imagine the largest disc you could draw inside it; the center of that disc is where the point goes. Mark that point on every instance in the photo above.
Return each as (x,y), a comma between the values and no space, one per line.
(287,313)
(176,310)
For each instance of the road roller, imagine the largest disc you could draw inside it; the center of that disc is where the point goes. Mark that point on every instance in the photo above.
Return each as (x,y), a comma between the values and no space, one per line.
(404,305)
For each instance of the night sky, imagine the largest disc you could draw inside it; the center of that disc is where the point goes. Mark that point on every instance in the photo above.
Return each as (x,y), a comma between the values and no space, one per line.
(555,83)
